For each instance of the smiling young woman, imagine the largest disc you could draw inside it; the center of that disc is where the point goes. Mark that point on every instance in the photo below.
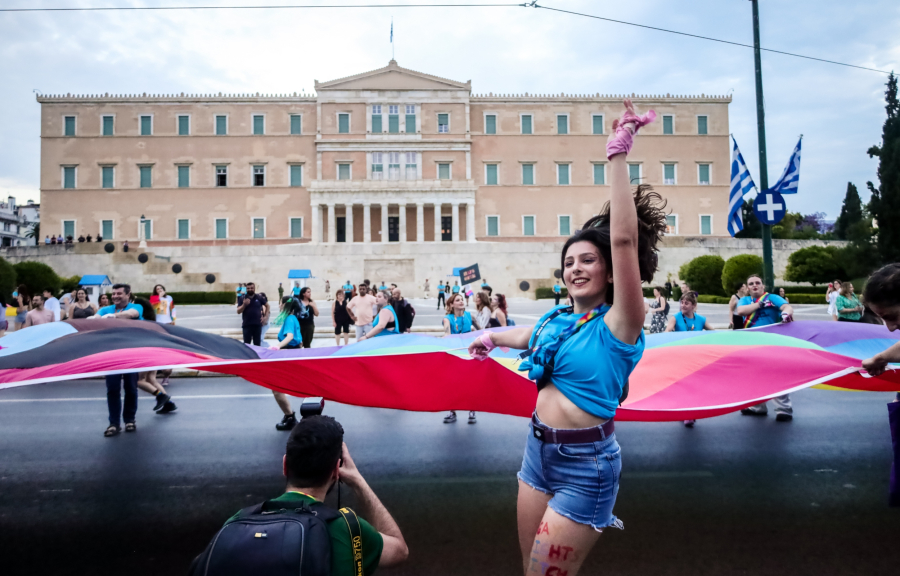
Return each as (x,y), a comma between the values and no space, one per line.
(581,357)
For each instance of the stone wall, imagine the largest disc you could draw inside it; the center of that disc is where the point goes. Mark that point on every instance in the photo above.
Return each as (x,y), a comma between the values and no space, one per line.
(504,264)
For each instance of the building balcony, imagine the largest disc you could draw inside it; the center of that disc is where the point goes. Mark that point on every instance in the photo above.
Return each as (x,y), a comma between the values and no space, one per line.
(391,191)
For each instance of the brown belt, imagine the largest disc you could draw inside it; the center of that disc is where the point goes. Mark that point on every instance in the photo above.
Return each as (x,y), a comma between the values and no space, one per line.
(580,436)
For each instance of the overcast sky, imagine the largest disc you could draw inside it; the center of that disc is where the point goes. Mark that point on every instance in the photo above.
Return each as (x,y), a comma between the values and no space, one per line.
(839,110)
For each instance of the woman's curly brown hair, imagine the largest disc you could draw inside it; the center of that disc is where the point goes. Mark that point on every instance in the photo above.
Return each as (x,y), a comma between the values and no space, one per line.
(651,228)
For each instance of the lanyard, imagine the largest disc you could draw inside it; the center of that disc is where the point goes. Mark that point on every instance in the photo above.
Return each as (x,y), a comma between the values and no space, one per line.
(567,333)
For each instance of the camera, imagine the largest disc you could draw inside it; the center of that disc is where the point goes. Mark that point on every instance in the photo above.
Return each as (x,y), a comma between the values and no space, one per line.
(312,407)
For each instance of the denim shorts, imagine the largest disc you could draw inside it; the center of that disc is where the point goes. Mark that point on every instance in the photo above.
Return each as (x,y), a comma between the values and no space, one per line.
(582,478)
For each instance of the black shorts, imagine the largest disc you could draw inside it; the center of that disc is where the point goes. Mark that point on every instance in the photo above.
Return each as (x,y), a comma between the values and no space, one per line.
(345,328)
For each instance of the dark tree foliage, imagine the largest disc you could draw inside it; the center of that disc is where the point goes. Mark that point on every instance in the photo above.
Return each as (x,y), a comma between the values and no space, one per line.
(7,280)
(885,202)
(752,226)
(851,212)
(814,264)
(704,274)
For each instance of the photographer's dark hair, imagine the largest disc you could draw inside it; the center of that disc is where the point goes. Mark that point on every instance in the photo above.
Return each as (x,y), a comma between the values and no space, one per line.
(651,227)
(313,450)
(883,286)
(149,312)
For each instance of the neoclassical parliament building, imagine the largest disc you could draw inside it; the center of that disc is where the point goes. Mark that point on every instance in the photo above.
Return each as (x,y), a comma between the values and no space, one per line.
(391,155)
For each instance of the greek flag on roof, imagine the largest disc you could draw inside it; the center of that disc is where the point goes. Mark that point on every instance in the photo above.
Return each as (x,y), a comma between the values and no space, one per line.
(790,180)
(741,184)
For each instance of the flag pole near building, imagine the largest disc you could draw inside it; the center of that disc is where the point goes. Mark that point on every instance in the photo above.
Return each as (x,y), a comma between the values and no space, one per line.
(768,267)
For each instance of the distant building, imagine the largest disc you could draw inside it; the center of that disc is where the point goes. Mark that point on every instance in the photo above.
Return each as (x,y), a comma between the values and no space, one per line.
(391,155)
(16,222)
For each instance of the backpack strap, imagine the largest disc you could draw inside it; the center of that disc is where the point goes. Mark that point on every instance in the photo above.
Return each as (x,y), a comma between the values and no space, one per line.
(355,539)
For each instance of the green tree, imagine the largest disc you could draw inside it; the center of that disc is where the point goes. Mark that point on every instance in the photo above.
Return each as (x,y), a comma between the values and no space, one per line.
(851,212)
(7,280)
(814,264)
(738,268)
(885,202)
(36,276)
(752,226)
(860,257)
(704,274)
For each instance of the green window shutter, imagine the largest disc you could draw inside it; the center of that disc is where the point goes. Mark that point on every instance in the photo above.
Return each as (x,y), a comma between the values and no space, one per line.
(563,174)
(672,223)
(68,228)
(221,228)
(443,123)
(528,174)
(343,123)
(296,227)
(599,174)
(184,176)
(221,125)
(703,173)
(108,125)
(444,171)
(296,175)
(493,226)
(634,173)
(410,123)
(597,124)
(296,124)
(526,124)
(343,171)
(69,177)
(491,174)
(146,176)
(668,127)
(106,229)
(146,125)
(259,125)
(69,126)
(701,125)
(184,229)
(562,124)
(259,228)
(706,225)
(669,173)
(148,229)
(490,124)
(184,125)
(564,226)
(376,124)
(108,176)
(394,123)
(528,226)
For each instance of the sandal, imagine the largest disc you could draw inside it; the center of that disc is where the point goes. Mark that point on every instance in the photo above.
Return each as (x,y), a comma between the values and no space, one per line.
(130,427)
(624,130)
(112,431)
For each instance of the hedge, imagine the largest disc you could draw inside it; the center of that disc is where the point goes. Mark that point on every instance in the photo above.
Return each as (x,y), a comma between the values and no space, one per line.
(738,268)
(704,274)
(803,289)
(794,299)
(196,297)
(544,293)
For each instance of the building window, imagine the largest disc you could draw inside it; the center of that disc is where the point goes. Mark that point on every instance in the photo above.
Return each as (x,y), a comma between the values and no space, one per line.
(703,174)
(377,166)
(146,125)
(526,124)
(259,175)
(490,174)
(108,125)
(184,125)
(393,165)
(597,124)
(669,174)
(701,125)
(490,124)
(108,176)
(343,171)
(528,225)
(296,124)
(184,229)
(68,228)
(343,123)
(221,176)
(671,223)
(599,174)
(493,225)
(634,173)
(148,229)
(296,227)
(412,166)
(376,119)
(106,229)
(528,174)
(394,119)
(562,173)
(146,176)
(221,125)
(296,175)
(443,123)
(446,228)
(184,176)
(706,224)
(443,171)
(221,228)
(562,123)
(259,124)
(564,225)
(668,124)
(68,125)
(259,227)
(410,119)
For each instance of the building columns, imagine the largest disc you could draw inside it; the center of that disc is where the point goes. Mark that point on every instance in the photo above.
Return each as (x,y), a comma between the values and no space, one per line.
(470,221)
(332,225)
(367,222)
(316,224)
(348,222)
(455,217)
(403,222)
(420,222)
(437,221)
(384,223)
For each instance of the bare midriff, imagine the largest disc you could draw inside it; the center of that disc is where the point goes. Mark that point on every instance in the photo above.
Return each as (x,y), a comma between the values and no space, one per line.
(557,411)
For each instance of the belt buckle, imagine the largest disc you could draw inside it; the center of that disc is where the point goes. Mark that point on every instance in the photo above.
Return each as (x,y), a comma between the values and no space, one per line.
(538,433)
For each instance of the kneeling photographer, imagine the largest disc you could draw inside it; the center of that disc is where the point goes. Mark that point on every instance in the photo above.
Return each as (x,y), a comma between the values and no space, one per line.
(296,533)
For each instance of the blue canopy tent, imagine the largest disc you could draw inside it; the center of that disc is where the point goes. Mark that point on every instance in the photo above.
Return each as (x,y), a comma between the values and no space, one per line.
(95,285)
(299,276)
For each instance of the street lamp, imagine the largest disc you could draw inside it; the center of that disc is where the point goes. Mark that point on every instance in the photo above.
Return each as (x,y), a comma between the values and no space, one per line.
(142,233)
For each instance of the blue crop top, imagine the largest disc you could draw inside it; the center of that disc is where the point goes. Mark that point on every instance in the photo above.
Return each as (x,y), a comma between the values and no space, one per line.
(460,324)
(683,324)
(590,367)
(387,331)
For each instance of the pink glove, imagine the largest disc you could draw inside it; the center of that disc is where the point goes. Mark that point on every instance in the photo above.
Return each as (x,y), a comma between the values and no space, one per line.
(274,347)
(489,345)
(625,129)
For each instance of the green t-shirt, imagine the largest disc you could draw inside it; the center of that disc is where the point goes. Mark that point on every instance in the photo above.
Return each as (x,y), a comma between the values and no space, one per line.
(341,549)
(851,302)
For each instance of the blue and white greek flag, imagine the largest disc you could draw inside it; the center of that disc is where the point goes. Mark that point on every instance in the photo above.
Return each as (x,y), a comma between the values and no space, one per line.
(790,180)
(741,184)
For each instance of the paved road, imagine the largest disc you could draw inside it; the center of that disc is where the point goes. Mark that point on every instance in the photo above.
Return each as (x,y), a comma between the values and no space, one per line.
(734,496)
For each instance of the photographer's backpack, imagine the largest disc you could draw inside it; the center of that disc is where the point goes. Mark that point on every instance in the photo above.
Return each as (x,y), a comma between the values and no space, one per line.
(275,539)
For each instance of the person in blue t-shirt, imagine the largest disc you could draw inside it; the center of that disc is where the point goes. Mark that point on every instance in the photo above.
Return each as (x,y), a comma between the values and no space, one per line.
(581,357)
(762,309)
(289,338)
(459,321)
(557,292)
(442,294)
(348,290)
(687,320)
(386,322)
(456,287)
(122,309)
